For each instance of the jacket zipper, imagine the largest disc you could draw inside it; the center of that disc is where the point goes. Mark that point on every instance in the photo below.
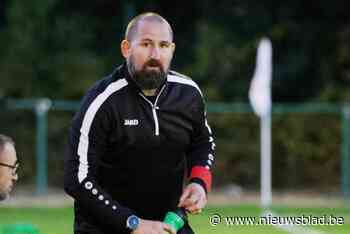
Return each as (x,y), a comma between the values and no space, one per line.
(154,110)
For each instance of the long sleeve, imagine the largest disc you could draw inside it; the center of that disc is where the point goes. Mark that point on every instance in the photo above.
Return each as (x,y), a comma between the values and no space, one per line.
(201,153)
(87,142)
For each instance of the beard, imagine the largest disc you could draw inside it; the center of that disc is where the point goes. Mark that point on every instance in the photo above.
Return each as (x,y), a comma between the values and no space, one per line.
(148,79)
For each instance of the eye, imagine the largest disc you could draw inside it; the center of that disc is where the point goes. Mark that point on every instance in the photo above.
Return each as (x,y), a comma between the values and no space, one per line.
(145,44)
(164,45)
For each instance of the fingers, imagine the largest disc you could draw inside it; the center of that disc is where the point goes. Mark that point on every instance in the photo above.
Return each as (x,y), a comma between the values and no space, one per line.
(190,201)
(184,197)
(194,204)
(196,211)
(196,208)
(189,198)
(153,227)
(168,229)
(193,199)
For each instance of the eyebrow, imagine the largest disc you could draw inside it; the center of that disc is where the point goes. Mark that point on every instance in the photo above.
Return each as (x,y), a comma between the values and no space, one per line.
(150,40)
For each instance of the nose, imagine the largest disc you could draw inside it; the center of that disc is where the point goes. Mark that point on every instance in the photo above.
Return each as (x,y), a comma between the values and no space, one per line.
(155,54)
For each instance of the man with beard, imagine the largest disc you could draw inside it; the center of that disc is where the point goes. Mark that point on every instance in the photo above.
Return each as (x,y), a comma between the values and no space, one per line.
(8,166)
(138,131)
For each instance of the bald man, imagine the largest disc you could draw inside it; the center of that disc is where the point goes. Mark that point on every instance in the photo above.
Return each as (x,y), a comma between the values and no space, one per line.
(137,132)
(8,166)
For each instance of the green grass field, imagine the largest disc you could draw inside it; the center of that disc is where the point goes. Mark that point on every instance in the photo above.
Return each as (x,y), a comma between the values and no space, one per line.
(59,220)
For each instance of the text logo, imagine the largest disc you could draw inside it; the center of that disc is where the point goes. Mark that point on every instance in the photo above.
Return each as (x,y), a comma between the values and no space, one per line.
(131,122)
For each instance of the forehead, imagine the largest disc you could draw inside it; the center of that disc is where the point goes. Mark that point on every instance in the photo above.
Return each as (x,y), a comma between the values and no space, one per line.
(8,154)
(153,30)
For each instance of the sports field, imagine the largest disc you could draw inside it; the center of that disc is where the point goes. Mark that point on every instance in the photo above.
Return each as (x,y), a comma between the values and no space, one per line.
(59,220)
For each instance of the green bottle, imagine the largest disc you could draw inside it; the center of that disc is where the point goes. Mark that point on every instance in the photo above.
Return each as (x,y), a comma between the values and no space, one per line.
(176,219)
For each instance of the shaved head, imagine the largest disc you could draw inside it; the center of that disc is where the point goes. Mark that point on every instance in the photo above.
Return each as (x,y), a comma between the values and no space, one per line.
(132,29)
(5,140)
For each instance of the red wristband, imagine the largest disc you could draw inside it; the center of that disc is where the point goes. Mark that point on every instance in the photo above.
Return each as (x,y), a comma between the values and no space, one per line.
(202,173)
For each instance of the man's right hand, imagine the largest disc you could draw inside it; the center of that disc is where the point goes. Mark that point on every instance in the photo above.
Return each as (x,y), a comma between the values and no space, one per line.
(153,227)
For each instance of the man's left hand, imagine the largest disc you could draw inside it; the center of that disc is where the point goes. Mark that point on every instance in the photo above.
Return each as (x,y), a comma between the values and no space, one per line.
(193,198)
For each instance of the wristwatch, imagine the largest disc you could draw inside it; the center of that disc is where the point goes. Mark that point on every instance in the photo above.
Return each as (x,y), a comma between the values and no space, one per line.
(132,222)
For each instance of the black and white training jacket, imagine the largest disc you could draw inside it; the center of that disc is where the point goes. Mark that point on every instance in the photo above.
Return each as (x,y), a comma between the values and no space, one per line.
(128,154)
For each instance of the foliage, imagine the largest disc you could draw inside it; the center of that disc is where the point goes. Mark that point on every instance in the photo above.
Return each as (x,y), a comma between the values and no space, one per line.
(58,49)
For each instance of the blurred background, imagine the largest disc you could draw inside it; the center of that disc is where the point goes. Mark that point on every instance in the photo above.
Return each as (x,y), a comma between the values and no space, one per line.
(57,49)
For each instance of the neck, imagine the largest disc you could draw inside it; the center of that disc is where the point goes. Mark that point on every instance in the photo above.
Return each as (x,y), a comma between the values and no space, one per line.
(149,92)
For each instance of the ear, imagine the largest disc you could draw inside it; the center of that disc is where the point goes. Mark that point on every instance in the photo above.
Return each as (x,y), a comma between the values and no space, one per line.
(173,47)
(125,47)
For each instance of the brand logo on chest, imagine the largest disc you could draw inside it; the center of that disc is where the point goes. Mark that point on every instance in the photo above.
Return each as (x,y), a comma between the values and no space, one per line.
(131,122)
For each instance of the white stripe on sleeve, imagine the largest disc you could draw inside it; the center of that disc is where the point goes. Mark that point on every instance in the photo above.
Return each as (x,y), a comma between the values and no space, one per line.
(87,122)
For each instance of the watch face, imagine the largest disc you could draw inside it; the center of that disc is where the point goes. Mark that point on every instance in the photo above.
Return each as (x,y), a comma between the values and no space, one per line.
(132,222)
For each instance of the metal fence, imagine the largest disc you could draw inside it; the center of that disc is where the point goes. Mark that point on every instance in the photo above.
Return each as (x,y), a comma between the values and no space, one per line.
(41,108)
